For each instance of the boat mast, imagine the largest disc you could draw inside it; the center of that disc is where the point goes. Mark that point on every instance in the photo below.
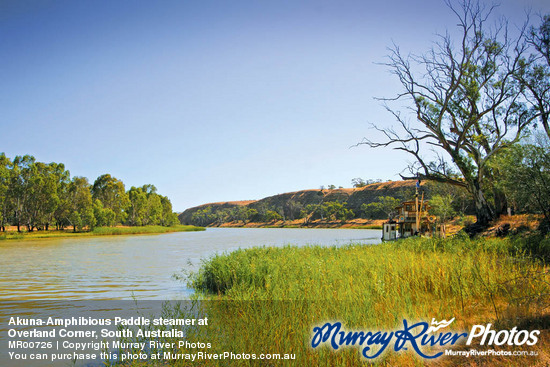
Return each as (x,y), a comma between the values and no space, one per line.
(417,209)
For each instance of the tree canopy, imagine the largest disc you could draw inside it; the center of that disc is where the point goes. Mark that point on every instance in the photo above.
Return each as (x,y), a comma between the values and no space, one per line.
(38,195)
(466,103)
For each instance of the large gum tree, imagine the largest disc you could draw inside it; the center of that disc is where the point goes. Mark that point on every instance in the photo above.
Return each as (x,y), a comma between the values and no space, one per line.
(466,106)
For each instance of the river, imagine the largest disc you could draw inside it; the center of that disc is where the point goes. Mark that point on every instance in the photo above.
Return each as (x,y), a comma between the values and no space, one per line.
(137,267)
(100,278)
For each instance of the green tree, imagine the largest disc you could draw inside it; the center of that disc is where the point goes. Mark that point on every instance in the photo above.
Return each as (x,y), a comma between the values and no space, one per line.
(293,208)
(81,205)
(242,214)
(17,194)
(272,215)
(112,194)
(63,210)
(461,200)
(383,207)
(153,209)
(41,200)
(62,179)
(526,178)
(442,207)
(5,164)
(203,217)
(104,217)
(466,103)
(138,205)
(168,217)
(334,210)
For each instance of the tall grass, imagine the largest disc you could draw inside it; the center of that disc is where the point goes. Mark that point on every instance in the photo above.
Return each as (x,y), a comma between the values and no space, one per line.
(269,299)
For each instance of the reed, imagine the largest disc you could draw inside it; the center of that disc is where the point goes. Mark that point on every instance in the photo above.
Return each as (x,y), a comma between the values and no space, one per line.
(269,299)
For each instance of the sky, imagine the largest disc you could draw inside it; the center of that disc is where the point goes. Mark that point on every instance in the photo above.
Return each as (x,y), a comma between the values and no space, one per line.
(211,100)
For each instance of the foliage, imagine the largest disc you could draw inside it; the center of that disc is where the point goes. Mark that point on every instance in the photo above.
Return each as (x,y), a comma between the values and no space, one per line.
(5,174)
(38,195)
(81,207)
(461,200)
(334,210)
(359,182)
(442,207)
(382,208)
(466,102)
(526,177)
(112,194)
(328,210)
(272,215)
(146,207)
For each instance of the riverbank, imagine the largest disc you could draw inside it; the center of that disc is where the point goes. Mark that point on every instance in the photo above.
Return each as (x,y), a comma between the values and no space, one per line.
(301,223)
(270,299)
(99,231)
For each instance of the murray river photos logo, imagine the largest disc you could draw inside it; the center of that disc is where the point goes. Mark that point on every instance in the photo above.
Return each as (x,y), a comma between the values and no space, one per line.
(417,336)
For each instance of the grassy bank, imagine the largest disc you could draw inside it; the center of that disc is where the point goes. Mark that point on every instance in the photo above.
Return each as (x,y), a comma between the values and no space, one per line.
(99,231)
(269,299)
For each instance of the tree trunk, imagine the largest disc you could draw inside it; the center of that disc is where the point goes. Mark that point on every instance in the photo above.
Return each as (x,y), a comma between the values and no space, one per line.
(501,204)
(484,213)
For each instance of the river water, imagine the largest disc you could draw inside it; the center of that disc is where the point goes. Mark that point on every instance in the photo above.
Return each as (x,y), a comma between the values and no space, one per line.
(137,267)
(100,278)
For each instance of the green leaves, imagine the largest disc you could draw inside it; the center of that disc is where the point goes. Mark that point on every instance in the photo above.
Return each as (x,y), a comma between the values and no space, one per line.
(526,178)
(382,208)
(37,195)
(442,207)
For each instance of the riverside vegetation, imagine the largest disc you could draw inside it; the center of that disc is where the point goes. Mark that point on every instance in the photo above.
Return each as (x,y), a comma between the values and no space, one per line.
(40,196)
(100,231)
(267,300)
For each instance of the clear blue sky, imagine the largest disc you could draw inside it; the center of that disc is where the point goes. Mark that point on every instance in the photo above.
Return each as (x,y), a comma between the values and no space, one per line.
(209,100)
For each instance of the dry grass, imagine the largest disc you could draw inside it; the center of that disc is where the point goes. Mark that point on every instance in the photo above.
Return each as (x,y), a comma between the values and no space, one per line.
(278,294)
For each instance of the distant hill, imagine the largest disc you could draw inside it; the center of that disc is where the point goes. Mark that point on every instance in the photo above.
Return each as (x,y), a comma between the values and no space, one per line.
(292,205)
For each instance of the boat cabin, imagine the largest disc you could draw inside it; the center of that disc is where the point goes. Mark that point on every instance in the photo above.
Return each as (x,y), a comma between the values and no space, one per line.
(389,232)
(412,219)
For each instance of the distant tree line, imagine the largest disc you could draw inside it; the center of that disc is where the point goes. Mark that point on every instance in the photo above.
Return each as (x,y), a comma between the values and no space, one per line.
(40,195)
(524,179)
(449,201)
(292,210)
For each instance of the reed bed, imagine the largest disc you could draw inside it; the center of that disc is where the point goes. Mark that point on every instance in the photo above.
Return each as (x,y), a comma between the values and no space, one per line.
(268,300)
